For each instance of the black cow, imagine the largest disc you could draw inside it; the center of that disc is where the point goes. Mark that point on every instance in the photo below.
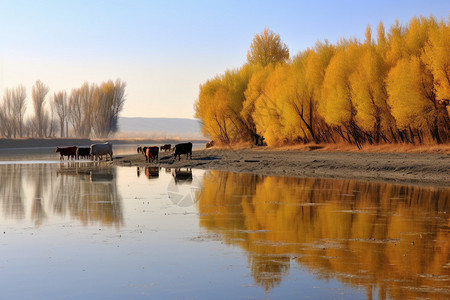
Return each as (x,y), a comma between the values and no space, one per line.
(70,152)
(183,148)
(83,152)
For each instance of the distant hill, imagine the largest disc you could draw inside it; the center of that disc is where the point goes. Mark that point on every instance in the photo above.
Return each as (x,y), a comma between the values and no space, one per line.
(159,128)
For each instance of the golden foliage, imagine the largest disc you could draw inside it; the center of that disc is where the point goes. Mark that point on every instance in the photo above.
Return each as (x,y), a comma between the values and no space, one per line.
(394,88)
(267,48)
(220,104)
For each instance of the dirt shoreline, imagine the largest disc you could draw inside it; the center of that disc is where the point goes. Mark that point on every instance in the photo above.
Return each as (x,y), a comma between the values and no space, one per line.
(430,169)
(397,164)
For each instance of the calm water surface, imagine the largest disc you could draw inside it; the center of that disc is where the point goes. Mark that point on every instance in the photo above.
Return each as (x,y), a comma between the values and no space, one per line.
(92,231)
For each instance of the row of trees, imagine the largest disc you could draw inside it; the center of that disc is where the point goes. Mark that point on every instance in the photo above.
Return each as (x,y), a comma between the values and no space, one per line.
(394,88)
(91,110)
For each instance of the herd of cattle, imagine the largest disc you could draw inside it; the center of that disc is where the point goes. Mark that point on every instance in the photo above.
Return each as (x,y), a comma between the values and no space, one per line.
(151,153)
(97,151)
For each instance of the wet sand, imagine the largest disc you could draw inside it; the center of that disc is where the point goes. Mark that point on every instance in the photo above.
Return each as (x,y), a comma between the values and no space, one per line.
(431,169)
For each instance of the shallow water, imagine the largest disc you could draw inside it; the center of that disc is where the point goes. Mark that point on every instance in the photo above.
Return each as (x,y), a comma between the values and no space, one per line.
(33,154)
(88,230)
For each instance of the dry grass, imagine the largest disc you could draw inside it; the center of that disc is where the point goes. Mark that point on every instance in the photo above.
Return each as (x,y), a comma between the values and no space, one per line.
(383,148)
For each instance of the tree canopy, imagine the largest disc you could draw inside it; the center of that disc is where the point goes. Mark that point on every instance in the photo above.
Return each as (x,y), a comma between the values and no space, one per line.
(267,48)
(388,89)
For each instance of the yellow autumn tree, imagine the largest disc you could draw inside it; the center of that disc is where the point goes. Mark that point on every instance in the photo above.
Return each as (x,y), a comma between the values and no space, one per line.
(211,108)
(267,48)
(299,114)
(412,86)
(417,34)
(255,90)
(317,62)
(369,94)
(411,96)
(269,110)
(436,56)
(353,91)
(220,103)
(396,48)
(338,106)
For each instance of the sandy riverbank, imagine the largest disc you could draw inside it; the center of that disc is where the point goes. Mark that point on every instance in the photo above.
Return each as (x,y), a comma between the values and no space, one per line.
(406,168)
(399,164)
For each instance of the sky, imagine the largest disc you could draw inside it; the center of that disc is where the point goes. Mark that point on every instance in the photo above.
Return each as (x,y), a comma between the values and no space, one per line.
(164,50)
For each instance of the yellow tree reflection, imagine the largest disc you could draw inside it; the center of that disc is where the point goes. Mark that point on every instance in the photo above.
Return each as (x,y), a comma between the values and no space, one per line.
(389,238)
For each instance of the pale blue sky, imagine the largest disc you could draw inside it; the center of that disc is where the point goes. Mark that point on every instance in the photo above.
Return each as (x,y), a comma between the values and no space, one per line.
(165,49)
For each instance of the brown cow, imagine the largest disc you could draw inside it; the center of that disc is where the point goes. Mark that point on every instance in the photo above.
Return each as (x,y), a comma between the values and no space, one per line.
(70,152)
(142,150)
(166,147)
(151,154)
(209,144)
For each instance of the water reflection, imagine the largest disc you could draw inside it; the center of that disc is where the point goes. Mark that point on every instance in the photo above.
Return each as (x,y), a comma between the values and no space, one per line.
(11,189)
(183,188)
(87,191)
(391,240)
(182,175)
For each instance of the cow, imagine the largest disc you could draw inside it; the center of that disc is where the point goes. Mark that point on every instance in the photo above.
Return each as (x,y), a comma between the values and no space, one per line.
(83,152)
(166,147)
(151,153)
(70,152)
(142,150)
(183,148)
(97,150)
(209,144)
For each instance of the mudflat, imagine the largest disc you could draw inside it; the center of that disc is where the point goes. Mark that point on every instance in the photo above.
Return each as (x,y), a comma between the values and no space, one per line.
(431,169)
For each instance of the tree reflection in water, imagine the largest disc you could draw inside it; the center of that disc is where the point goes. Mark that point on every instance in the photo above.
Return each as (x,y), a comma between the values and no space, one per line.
(87,191)
(389,239)
(11,189)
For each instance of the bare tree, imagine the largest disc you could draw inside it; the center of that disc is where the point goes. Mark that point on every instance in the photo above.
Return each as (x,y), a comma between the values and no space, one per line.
(41,118)
(7,114)
(86,94)
(108,101)
(102,103)
(118,101)
(61,107)
(75,111)
(19,96)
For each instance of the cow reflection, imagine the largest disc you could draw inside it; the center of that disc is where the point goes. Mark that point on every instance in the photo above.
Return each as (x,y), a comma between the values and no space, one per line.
(182,175)
(152,172)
